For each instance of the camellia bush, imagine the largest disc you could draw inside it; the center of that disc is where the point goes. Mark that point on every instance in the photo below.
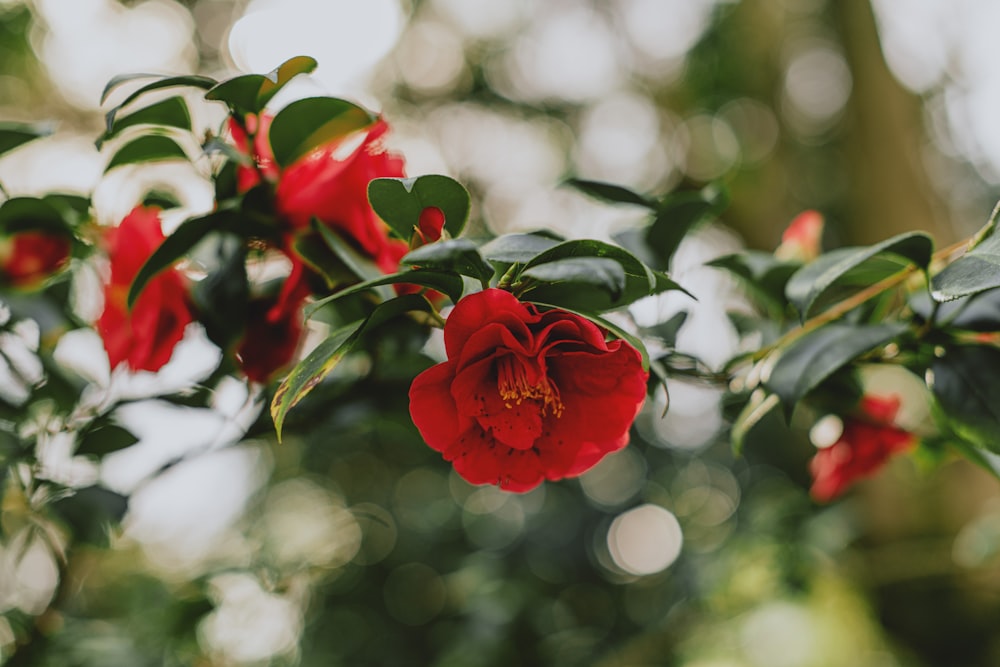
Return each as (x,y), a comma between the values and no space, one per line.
(322,263)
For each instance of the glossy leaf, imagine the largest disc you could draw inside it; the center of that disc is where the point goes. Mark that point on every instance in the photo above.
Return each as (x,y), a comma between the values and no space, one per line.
(149,148)
(810,360)
(192,81)
(976,271)
(13,135)
(307,124)
(221,296)
(457,255)
(449,284)
(171,112)
(250,93)
(966,385)
(517,248)
(324,358)
(362,267)
(602,273)
(609,192)
(679,213)
(104,438)
(175,246)
(763,273)
(400,201)
(810,283)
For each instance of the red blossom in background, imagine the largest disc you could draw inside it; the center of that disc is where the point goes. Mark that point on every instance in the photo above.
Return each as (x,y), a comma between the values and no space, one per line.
(802,239)
(28,258)
(331,184)
(865,444)
(144,338)
(272,334)
(526,396)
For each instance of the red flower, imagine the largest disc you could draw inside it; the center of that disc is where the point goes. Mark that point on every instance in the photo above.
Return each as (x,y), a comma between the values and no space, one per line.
(144,337)
(28,258)
(273,331)
(802,238)
(526,396)
(864,446)
(330,184)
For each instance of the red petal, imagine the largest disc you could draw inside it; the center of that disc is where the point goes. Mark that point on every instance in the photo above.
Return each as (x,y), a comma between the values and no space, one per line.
(433,409)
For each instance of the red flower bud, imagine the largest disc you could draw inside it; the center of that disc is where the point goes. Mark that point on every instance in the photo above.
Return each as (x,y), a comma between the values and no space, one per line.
(802,238)
(28,258)
(526,396)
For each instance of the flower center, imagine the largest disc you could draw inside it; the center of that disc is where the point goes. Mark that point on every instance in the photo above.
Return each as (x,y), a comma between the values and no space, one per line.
(514,387)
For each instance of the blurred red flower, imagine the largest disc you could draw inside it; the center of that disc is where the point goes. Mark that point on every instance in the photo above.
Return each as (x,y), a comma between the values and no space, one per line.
(144,337)
(866,443)
(526,396)
(28,258)
(272,334)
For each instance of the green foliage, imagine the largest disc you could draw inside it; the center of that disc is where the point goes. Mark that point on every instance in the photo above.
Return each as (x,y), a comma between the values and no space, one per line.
(147,148)
(13,135)
(456,255)
(250,93)
(966,385)
(400,201)
(307,124)
(976,271)
(170,112)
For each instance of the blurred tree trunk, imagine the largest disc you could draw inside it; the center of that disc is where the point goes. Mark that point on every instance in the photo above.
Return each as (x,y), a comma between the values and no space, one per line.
(889,189)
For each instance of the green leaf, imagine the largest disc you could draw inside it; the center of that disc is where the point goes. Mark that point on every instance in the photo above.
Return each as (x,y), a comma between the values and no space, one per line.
(449,284)
(976,271)
(640,280)
(966,385)
(192,81)
(324,358)
(456,255)
(251,92)
(21,214)
(812,281)
(814,357)
(221,297)
(149,148)
(175,246)
(104,439)
(517,248)
(764,274)
(171,112)
(400,201)
(310,123)
(679,213)
(13,135)
(605,274)
(759,406)
(609,192)
(359,265)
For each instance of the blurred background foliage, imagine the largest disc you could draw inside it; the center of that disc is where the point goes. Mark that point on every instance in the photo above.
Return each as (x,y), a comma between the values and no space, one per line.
(352,543)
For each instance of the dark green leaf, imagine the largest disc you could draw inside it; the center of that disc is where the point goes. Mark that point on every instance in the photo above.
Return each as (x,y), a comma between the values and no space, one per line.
(400,201)
(325,357)
(966,384)
(171,112)
(221,296)
(764,274)
(449,284)
(307,124)
(192,81)
(814,357)
(13,135)
(21,214)
(977,270)
(175,246)
(149,148)
(363,268)
(677,214)
(809,283)
(456,255)
(250,93)
(609,192)
(667,331)
(104,439)
(90,512)
(602,273)
(516,248)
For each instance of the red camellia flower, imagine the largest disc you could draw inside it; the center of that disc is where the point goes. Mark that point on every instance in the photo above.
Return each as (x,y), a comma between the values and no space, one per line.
(865,444)
(144,337)
(28,258)
(272,334)
(526,395)
(331,184)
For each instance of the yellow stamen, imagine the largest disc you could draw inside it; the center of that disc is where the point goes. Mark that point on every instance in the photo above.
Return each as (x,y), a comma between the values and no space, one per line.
(512,382)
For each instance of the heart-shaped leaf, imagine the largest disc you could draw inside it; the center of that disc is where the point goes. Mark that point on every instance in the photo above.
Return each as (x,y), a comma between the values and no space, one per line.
(400,201)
